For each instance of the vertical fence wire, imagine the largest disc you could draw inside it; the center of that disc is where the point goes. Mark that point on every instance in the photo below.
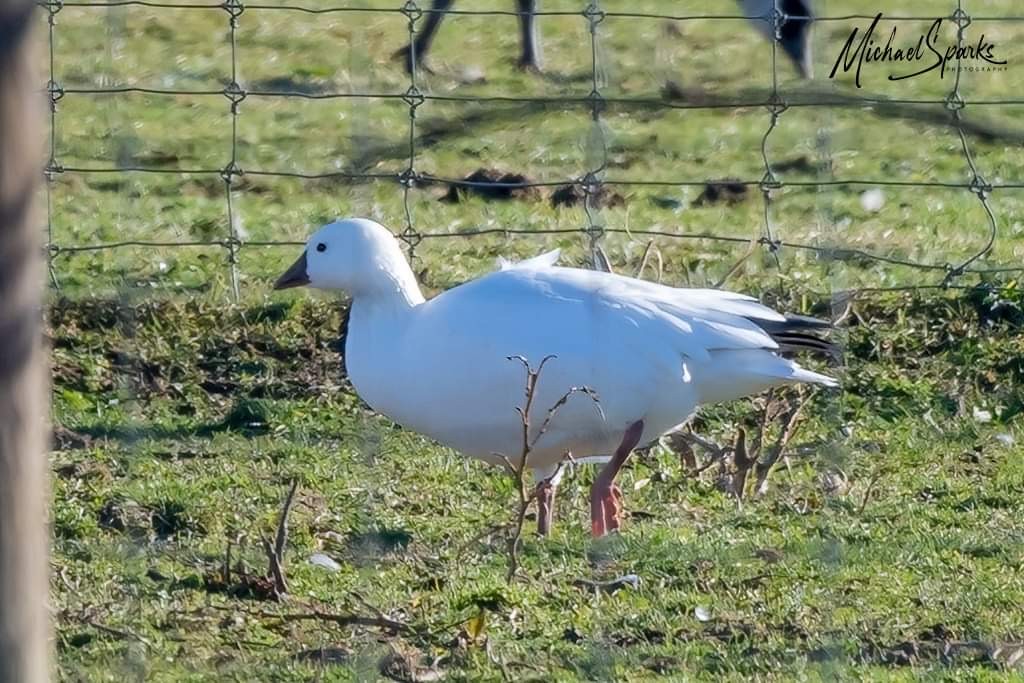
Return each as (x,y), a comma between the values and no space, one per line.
(235,94)
(54,94)
(955,103)
(776,105)
(413,98)
(593,180)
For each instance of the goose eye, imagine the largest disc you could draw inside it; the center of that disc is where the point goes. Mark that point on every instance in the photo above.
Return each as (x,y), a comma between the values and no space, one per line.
(321,247)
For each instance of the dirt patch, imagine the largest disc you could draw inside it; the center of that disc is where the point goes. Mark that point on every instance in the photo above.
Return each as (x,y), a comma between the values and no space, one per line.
(938,644)
(169,518)
(800,164)
(573,195)
(325,655)
(369,547)
(64,439)
(492,185)
(729,191)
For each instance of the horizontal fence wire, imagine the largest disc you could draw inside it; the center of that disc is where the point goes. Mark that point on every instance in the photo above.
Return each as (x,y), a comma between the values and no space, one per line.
(590,183)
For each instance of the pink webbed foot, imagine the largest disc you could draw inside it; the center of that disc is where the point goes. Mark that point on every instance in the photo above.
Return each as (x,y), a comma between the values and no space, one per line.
(605,509)
(605,495)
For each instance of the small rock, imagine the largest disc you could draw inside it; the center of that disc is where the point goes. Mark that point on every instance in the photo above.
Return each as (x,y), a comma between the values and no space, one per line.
(702,613)
(325,561)
(625,581)
(872,200)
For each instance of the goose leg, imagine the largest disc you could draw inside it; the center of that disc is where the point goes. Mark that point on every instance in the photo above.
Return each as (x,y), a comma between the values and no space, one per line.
(545,506)
(605,495)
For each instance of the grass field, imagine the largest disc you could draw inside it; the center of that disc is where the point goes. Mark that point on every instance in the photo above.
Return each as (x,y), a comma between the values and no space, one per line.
(890,546)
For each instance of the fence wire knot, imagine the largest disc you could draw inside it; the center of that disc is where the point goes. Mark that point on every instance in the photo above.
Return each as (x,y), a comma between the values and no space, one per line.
(56,93)
(776,105)
(590,183)
(773,244)
(777,18)
(52,7)
(594,15)
(980,186)
(960,18)
(413,97)
(769,182)
(411,10)
(411,237)
(228,173)
(952,273)
(235,93)
(597,103)
(409,178)
(232,244)
(955,102)
(234,8)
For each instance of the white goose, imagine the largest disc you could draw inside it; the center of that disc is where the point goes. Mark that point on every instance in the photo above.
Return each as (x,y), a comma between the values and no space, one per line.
(652,354)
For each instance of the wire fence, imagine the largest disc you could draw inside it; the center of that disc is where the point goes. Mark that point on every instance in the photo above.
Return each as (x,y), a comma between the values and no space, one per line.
(590,182)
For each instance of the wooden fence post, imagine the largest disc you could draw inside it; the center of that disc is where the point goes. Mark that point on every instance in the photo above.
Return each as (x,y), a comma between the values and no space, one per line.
(24,490)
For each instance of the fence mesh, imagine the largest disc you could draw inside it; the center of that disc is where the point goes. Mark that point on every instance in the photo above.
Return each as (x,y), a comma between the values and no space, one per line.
(590,182)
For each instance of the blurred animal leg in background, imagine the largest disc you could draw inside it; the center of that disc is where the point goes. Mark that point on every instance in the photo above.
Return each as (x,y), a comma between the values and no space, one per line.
(421,42)
(794,33)
(531,54)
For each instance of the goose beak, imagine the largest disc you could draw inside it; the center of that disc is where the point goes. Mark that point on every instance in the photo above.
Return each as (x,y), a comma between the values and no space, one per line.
(295,276)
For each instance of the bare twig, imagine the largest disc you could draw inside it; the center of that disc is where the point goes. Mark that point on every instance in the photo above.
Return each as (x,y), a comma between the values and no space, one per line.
(789,424)
(275,552)
(225,570)
(281,537)
(119,633)
(493,529)
(275,570)
(710,446)
(561,402)
(643,259)
(717,452)
(742,462)
(316,614)
(601,260)
(498,661)
(518,469)
(687,458)
(766,418)
(736,266)
(875,477)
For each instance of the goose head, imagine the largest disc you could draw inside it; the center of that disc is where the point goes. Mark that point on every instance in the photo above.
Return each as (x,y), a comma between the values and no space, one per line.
(355,255)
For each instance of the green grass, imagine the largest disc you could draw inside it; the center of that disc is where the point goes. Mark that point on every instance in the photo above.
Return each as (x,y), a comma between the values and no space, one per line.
(197,418)
(895,530)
